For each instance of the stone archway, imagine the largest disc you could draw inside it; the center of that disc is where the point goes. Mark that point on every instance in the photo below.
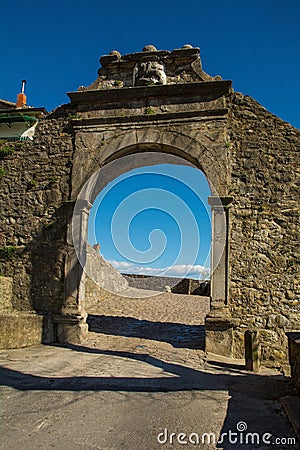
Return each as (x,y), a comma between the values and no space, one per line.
(182,113)
(150,153)
(158,101)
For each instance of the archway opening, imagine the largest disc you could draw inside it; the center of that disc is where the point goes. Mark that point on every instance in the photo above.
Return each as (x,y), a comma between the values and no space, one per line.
(155,221)
(148,255)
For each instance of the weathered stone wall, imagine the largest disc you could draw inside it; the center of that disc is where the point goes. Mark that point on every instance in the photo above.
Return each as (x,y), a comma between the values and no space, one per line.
(17,329)
(20,330)
(182,65)
(177,285)
(102,272)
(245,151)
(34,199)
(192,287)
(102,281)
(265,235)
(6,284)
(93,292)
(108,126)
(150,282)
(294,358)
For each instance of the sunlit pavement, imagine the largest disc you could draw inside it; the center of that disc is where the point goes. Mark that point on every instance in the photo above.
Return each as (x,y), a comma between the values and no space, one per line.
(126,390)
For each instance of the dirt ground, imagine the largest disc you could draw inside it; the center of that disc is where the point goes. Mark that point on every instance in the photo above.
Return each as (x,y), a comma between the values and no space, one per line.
(164,321)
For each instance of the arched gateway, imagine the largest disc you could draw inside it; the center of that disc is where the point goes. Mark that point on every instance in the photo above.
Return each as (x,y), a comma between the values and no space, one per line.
(162,102)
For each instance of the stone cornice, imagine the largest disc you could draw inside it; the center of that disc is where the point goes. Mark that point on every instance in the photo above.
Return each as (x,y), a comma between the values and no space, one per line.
(157,118)
(209,89)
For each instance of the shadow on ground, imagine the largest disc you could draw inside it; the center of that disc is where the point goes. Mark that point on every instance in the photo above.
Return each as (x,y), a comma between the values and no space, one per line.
(252,397)
(177,334)
(185,378)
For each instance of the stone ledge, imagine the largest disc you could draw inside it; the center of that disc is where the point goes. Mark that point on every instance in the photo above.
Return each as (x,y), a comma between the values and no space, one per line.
(145,119)
(218,323)
(67,319)
(20,330)
(211,89)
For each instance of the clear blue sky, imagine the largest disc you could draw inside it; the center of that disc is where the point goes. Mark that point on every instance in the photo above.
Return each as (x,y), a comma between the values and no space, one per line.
(56,45)
(155,218)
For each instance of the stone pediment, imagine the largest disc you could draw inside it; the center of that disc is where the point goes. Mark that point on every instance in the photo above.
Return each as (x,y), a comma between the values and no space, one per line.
(150,67)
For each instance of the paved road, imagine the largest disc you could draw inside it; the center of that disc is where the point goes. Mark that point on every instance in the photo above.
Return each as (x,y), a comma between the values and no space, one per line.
(129,390)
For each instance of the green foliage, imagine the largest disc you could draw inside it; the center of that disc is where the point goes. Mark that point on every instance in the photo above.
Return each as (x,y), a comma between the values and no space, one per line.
(233,190)
(74,116)
(53,180)
(149,111)
(2,172)
(47,225)
(293,263)
(5,149)
(7,251)
(19,143)
(32,183)
(118,83)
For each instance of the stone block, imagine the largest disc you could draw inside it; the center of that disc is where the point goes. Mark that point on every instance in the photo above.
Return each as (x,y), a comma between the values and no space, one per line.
(239,343)
(72,333)
(294,358)
(219,336)
(252,350)
(5,293)
(20,330)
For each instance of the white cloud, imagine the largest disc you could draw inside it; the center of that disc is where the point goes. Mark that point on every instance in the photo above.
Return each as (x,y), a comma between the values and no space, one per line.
(179,271)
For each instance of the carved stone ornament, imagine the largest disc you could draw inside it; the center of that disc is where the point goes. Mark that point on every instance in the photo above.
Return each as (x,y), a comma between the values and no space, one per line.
(149,72)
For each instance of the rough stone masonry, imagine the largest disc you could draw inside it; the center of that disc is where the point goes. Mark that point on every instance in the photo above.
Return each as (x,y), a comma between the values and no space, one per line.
(159,101)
